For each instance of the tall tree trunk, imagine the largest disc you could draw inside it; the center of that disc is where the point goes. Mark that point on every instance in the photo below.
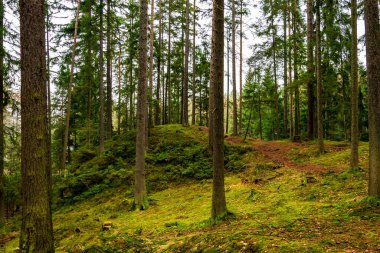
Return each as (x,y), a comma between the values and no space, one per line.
(168,83)
(321,148)
(88,76)
(185,90)
(291,128)
(354,87)
(194,68)
(228,80)
(119,74)
(372,34)
(141,201)
(151,55)
(101,85)
(310,71)
(241,70)
(109,77)
(158,108)
(297,128)
(285,119)
(219,207)
(274,34)
(37,227)
(234,103)
(65,147)
(2,192)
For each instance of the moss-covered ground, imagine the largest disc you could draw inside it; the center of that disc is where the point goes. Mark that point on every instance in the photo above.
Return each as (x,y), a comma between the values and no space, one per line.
(276,206)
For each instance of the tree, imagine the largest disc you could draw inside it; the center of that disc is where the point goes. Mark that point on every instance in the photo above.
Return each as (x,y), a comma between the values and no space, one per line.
(234,102)
(37,227)
(354,87)
(65,147)
(372,35)
(151,53)
(219,207)
(101,84)
(310,71)
(109,66)
(194,69)
(2,192)
(158,108)
(141,201)
(185,90)
(321,148)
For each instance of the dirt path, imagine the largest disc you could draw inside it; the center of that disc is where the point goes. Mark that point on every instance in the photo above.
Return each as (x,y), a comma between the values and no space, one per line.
(278,153)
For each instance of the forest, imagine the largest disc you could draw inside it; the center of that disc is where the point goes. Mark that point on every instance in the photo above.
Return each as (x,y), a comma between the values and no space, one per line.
(189,126)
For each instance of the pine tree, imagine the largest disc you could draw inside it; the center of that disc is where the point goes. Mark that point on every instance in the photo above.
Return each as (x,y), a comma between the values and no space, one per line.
(354,87)
(372,35)
(310,71)
(219,207)
(2,190)
(321,148)
(141,201)
(37,227)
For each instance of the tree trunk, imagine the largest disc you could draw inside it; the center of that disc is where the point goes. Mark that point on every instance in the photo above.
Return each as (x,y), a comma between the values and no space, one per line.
(141,201)
(228,80)
(185,90)
(297,129)
(241,70)
(2,190)
(119,74)
(194,69)
(321,148)
(101,85)
(109,77)
(219,207)
(65,147)
(354,87)
(310,71)
(151,55)
(234,109)
(285,119)
(372,34)
(37,227)
(158,108)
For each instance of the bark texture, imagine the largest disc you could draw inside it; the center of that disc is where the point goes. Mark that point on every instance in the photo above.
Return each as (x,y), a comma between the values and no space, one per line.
(372,34)
(219,207)
(2,193)
(234,92)
(185,90)
(310,71)
(37,227)
(141,201)
(354,87)
(321,147)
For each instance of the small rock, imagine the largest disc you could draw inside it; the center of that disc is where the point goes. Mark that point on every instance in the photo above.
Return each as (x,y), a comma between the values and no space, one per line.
(107,225)
(77,230)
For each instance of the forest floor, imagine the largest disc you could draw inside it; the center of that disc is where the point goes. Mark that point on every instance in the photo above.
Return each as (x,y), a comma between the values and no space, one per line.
(285,199)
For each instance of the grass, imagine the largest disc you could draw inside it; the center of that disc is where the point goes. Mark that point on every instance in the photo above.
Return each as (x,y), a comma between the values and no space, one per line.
(282,213)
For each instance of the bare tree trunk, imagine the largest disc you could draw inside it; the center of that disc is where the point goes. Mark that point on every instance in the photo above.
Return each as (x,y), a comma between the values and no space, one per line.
(310,71)
(68,104)
(2,190)
(119,91)
(241,70)
(109,77)
(158,108)
(151,55)
(141,201)
(219,207)
(185,90)
(101,85)
(228,80)
(297,128)
(354,87)
(321,148)
(37,227)
(291,128)
(234,109)
(372,33)
(194,67)
(285,123)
